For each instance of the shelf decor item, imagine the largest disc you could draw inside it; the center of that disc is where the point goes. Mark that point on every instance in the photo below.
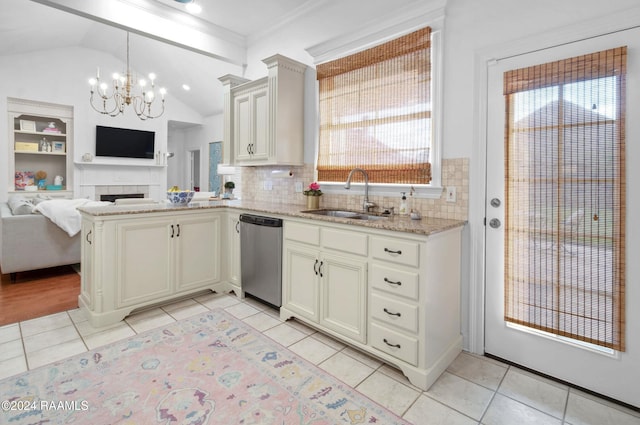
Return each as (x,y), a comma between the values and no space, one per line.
(59,147)
(27,125)
(313,194)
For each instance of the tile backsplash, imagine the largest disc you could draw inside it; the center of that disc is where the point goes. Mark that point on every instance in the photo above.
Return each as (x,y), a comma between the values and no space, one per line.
(455,173)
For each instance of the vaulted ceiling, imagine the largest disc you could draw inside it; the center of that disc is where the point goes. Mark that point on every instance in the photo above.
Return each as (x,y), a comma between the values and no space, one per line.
(179,47)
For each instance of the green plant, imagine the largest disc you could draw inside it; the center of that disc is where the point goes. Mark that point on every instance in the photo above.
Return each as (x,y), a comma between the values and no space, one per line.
(229,185)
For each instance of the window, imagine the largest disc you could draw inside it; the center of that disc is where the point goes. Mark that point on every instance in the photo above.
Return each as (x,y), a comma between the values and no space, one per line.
(375,113)
(565,197)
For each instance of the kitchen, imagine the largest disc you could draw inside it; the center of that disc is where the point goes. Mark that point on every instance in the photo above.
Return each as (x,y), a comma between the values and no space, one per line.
(474,34)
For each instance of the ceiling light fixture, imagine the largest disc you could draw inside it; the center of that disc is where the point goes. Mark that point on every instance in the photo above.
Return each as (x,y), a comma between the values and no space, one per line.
(191,5)
(113,103)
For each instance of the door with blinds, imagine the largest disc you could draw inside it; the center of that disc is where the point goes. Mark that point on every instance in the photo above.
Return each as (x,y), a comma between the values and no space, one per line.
(559,161)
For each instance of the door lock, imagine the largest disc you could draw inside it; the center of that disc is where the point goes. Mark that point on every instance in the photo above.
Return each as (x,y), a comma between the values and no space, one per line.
(494,223)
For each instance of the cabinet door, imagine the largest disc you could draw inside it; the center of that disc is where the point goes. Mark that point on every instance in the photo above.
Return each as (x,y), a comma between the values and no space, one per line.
(242,126)
(300,280)
(343,290)
(233,249)
(144,268)
(86,260)
(197,248)
(260,125)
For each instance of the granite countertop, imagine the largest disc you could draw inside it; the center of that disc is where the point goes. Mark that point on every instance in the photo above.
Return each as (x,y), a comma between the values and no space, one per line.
(425,226)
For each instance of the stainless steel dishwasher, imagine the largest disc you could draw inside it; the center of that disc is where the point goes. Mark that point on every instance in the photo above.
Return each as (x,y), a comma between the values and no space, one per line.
(261,257)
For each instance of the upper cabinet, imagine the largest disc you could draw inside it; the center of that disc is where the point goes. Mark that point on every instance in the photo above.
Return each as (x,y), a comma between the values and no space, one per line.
(264,119)
(40,142)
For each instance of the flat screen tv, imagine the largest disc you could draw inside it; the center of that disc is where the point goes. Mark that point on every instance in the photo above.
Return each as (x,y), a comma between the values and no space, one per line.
(124,143)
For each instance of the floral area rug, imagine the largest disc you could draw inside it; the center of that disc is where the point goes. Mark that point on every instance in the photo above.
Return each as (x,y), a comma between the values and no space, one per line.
(209,369)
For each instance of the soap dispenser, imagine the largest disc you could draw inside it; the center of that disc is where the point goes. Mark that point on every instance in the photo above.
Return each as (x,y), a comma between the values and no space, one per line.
(403,204)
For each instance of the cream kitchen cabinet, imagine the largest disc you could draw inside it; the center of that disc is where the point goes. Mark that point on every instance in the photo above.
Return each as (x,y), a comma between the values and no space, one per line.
(231,252)
(264,119)
(136,260)
(393,294)
(325,282)
(251,116)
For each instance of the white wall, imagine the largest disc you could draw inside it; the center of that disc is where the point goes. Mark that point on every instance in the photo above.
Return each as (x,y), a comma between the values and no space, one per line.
(61,76)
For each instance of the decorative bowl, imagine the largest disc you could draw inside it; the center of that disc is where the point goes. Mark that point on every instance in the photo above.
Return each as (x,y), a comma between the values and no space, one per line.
(182,197)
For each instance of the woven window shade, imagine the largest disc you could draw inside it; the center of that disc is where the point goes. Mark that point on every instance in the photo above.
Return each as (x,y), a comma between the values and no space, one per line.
(565,197)
(375,112)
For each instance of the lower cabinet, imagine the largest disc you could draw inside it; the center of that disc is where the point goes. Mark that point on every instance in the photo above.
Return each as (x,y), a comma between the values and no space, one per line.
(140,259)
(322,285)
(395,295)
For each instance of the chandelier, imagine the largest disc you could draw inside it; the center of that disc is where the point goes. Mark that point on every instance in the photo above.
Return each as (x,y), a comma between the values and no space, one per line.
(113,101)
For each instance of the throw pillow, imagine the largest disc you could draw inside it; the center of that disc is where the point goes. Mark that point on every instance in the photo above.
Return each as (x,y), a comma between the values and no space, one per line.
(20,205)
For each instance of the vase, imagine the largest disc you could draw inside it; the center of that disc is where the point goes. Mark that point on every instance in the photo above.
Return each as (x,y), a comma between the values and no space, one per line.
(313,202)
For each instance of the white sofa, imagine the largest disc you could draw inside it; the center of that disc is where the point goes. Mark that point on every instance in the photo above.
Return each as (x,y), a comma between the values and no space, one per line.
(32,241)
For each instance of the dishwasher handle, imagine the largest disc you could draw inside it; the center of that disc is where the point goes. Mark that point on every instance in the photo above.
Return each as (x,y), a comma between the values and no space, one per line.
(260,220)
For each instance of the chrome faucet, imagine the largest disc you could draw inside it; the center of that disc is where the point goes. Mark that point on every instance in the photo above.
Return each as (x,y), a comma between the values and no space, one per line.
(366,205)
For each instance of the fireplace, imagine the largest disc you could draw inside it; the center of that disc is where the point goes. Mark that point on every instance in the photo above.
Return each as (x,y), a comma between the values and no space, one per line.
(113,197)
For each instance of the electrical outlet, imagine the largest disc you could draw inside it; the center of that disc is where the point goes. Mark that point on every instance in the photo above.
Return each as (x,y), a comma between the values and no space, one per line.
(267,185)
(451,194)
(299,187)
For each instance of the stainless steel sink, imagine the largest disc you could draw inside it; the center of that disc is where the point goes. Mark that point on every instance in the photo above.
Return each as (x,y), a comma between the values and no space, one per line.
(354,215)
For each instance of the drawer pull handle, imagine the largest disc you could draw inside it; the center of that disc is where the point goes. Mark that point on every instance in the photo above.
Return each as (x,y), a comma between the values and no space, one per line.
(320,268)
(390,313)
(391,282)
(315,267)
(390,251)
(89,234)
(390,344)
(172,231)
(178,227)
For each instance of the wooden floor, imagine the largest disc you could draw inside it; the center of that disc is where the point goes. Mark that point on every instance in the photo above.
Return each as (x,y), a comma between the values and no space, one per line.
(38,293)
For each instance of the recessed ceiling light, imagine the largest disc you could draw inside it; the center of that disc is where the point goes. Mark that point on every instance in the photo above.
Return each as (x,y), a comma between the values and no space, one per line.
(186,87)
(193,7)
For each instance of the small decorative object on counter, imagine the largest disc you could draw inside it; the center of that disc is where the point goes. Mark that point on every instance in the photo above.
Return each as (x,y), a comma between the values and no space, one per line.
(228,190)
(181,197)
(313,194)
(403,205)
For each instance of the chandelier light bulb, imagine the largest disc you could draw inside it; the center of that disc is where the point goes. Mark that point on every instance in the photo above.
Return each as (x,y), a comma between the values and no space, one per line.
(150,96)
(163,91)
(93,81)
(116,76)
(142,82)
(152,77)
(103,86)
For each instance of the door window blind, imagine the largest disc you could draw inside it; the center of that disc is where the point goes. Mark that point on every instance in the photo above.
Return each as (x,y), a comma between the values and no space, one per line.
(375,112)
(565,197)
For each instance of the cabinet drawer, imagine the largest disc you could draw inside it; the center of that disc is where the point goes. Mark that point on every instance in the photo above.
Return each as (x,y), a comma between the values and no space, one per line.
(304,233)
(340,240)
(394,281)
(394,343)
(396,251)
(394,312)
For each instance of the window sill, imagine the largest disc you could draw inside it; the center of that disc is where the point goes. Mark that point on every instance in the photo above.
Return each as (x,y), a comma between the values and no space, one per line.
(391,190)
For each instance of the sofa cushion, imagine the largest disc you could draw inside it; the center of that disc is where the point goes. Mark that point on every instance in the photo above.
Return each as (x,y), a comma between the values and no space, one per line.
(20,205)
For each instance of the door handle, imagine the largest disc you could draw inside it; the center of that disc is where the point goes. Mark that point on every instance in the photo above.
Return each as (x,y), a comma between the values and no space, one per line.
(172,230)
(87,237)
(178,226)
(237,224)
(315,267)
(320,268)
(495,223)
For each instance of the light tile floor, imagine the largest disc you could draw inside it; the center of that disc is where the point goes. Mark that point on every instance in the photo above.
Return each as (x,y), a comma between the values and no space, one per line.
(473,390)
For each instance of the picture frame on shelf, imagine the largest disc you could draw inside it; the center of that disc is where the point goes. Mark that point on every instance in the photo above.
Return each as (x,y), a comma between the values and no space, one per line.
(27,125)
(58,147)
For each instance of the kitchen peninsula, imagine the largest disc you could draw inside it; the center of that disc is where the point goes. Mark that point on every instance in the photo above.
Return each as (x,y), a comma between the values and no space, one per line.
(389,286)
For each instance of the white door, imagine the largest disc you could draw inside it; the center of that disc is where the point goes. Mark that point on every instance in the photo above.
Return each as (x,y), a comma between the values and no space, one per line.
(613,373)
